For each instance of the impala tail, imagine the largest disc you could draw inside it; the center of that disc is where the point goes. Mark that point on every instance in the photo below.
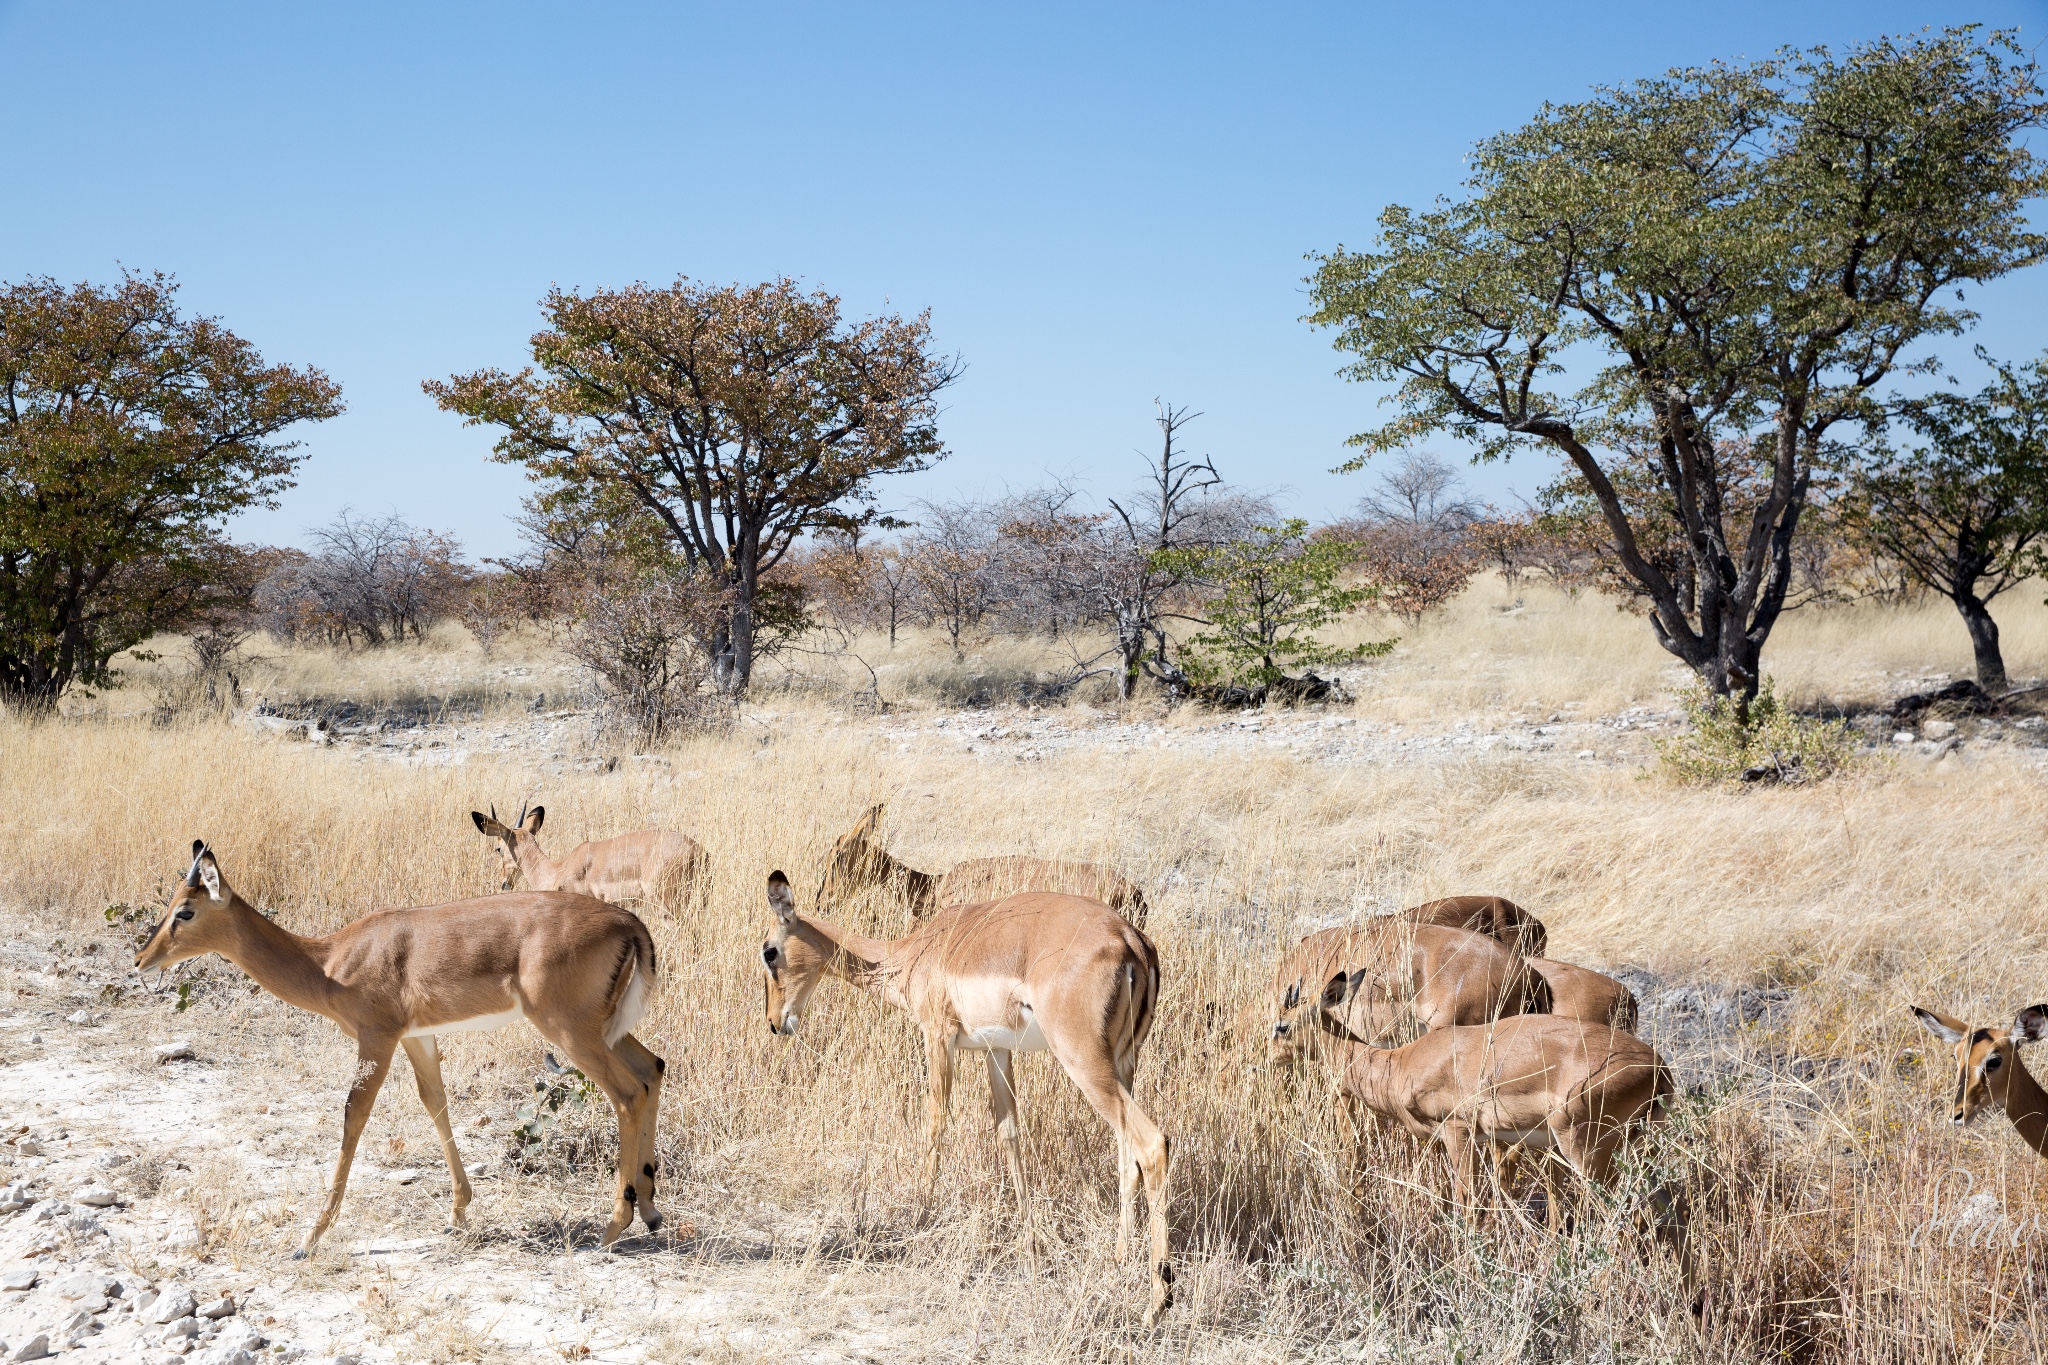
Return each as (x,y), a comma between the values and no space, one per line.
(631,985)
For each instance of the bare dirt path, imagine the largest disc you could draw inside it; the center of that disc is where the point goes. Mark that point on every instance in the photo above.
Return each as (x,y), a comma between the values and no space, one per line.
(137,1187)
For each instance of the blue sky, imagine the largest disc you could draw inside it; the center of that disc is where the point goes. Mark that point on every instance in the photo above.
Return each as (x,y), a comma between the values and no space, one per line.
(1098,204)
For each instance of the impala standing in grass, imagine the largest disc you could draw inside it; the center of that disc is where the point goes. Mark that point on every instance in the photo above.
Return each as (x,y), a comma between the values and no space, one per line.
(580,969)
(1989,1070)
(645,865)
(1028,973)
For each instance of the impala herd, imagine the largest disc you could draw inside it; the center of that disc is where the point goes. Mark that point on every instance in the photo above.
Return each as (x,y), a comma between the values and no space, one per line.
(1446,1022)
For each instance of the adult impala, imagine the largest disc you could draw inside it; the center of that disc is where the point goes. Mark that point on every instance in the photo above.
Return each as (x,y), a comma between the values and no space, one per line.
(1497,917)
(860,864)
(1365,982)
(1028,973)
(1989,1070)
(644,865)
(580,969)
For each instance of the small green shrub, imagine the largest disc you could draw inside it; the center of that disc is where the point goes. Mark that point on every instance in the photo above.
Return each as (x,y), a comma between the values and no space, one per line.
(1767,743)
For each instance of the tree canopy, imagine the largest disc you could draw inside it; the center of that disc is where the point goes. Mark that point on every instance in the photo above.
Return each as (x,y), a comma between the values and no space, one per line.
(128,434)
(736,417)
(1729,261)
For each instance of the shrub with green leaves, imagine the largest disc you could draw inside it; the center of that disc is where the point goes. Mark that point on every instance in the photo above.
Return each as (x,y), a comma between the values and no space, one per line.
(1269,596)
(1726,741)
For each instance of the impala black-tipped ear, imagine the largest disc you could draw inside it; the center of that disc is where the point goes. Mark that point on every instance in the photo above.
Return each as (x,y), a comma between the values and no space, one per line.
(484,822)
(1941,1026)
(2032,1024)
(1341,988)
(531,824)
(209,872)
(780,899)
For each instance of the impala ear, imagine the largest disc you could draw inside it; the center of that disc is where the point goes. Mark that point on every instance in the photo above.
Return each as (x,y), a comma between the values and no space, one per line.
(487,824)
(779,898)
(1941,1026)
(531,824)
(2032,1024)
(1341,988)
(209,873)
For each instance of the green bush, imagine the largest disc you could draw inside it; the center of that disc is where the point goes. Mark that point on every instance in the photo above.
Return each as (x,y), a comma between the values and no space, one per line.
(1724,742)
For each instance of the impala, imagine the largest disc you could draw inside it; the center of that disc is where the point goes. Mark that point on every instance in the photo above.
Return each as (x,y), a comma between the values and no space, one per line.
(859,864)
(1582,993)
(1532,1080)
(645,864)
(580,969)
(1497,917)
(1989,1070)
(1365,982)
(1028,973)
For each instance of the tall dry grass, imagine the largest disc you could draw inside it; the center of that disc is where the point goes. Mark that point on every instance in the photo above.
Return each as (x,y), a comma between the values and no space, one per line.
(1809,1159)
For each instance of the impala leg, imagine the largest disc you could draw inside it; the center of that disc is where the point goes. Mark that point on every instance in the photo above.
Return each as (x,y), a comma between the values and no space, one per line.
(938,1058)
(610,1073)
(373,1063)
(1002,1105)
(1463,1156)
(425,1056)
(1140,1144)
(648,1069)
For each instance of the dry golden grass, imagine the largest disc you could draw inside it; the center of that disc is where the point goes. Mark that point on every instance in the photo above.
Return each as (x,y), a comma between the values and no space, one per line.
(1808,1163)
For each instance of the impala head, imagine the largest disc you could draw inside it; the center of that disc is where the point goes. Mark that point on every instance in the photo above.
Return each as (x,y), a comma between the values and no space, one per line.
(856,863)
(1985,1057)
(1301,1010)
(197,921)
(791,962)
(508,836)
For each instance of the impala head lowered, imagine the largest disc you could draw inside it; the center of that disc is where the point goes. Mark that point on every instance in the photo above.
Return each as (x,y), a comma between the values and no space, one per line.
(508,836)
(1986,1058)
(1301,1012)
(197,918)
(791,962)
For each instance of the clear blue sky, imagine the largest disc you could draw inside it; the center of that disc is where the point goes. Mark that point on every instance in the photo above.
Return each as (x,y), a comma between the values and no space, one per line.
(1097,203)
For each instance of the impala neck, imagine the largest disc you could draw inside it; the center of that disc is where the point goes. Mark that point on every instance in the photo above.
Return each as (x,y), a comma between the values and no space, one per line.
(1367,1072)
(2026,1104)
(869,963)
(291,968)
(540,872)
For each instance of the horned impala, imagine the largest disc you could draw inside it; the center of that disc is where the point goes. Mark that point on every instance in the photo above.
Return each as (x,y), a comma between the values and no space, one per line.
(1365,981)
(1028,973)
(580,969)
(647,864)
(1531,1080)
(859,864)
(1989,1070)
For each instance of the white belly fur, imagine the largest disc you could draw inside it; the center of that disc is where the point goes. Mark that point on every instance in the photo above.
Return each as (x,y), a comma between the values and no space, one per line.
(996,1038)
(482,1023)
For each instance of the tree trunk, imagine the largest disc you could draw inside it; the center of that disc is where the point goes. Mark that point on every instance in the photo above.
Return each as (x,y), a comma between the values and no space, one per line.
(1983,642)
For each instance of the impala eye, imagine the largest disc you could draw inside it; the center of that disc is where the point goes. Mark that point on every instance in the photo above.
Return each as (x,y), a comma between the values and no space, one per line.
(768,955)
(183,914)
(1991,1062)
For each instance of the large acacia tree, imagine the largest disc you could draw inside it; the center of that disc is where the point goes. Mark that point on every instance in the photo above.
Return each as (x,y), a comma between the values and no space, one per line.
(736,418)
(128,434)
(1729,262)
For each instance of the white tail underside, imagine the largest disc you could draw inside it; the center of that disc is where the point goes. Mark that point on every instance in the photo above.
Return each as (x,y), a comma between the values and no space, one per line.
(631,1006)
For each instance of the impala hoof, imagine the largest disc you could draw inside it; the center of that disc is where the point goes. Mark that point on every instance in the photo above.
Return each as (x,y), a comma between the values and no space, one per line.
(651,1216)
(300,1254)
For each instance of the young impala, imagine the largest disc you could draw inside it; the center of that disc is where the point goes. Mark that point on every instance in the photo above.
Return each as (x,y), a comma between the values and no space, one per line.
(580,969)
(1035,972)
(647,864)
(1989,1070)
(860,864)
(1533,1080)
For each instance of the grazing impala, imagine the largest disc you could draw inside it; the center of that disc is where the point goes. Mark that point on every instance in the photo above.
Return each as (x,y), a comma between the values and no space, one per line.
(1497,917)
(580,969)
(1028,973)
(1989,1070)
(1582,993)
(859,864)
(1365,982)
(646,864)
(1531,1080)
